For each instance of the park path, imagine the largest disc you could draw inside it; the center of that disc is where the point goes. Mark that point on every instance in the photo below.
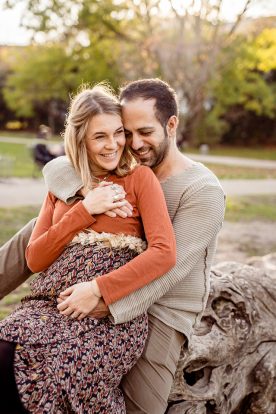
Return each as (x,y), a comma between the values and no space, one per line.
(234,161)
(27,191)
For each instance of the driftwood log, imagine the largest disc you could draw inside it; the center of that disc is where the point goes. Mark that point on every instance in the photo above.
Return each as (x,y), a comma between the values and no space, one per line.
(230,365)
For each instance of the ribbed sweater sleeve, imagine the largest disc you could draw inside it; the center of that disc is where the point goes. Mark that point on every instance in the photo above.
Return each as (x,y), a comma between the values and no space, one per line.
(49,240)
(160,255)
(62,179)
(197,221)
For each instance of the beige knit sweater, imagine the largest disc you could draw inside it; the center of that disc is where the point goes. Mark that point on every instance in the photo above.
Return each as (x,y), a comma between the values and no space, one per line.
(196,204)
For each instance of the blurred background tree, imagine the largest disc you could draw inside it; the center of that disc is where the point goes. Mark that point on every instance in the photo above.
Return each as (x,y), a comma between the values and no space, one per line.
(224,73)
(243,94)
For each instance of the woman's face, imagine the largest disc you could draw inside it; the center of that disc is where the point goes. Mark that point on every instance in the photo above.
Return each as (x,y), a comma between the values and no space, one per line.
(105,142)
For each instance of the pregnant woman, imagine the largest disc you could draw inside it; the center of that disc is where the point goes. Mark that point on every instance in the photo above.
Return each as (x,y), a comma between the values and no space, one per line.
(55,358)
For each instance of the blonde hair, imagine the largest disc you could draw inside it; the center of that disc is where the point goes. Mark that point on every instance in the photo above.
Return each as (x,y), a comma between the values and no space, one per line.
(90,102)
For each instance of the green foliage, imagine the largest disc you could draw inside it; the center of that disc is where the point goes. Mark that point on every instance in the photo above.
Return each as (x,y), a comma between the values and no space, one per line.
(95,41)
(264,49)
(39,74)
(42,74)
(128,39)
(242,84)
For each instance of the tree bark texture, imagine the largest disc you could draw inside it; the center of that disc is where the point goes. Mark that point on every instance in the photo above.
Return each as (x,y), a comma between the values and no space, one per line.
(229,366)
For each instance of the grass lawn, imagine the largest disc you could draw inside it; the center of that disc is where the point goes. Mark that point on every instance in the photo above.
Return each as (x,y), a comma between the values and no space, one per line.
(13,219)
(250,208)
(238,173)
(9,303)
(17,161)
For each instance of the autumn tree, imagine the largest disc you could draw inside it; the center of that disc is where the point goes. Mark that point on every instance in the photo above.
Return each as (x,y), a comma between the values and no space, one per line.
(183,42)
(243,94)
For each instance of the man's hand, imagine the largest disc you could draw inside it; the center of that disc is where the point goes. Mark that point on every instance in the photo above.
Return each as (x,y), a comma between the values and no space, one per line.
(101,310)
(78,300)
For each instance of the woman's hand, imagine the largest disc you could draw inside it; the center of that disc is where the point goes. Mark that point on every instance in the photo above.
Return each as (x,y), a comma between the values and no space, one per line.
(79,300)
(124,211)
(107,196)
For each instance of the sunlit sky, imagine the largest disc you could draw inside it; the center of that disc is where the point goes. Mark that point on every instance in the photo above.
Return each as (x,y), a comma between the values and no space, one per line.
(12,33)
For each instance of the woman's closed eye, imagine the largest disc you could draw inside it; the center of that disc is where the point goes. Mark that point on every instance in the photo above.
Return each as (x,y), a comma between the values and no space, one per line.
(120,132)
(99,137)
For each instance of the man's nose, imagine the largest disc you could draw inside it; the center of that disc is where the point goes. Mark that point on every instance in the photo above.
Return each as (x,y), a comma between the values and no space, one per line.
(136,142)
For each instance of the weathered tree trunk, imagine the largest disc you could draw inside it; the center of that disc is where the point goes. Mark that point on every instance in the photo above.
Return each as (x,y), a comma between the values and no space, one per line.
(230,366)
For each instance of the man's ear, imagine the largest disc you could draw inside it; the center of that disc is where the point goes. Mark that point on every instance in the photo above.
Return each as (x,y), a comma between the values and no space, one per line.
(172,125)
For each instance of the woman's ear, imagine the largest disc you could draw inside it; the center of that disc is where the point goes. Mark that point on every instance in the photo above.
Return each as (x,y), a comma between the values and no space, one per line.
(172,125)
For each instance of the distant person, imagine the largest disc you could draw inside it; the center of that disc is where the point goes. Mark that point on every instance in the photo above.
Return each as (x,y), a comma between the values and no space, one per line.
(42,154)
(204,149)
(44,132)
(59,358)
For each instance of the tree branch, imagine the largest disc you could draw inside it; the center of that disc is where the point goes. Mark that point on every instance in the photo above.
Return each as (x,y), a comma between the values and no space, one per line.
(239,18)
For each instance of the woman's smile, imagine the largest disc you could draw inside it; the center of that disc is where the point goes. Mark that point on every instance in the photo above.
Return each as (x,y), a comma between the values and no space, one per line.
(111,155)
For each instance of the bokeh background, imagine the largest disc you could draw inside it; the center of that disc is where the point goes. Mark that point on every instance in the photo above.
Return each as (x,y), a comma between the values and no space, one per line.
(219,55)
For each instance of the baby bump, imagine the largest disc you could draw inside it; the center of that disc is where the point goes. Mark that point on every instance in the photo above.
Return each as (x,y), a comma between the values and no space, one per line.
(77,264)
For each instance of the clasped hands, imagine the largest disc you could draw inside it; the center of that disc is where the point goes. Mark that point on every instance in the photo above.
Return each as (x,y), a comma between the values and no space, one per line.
(81,300)
(107,198)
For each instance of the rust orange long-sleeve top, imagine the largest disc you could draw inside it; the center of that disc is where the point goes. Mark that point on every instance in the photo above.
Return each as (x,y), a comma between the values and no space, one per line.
(58,223)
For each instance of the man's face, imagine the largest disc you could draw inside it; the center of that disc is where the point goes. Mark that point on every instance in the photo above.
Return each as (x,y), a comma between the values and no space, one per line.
(144,133)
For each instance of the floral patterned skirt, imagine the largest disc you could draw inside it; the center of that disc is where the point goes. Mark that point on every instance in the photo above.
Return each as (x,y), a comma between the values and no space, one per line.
(63,365)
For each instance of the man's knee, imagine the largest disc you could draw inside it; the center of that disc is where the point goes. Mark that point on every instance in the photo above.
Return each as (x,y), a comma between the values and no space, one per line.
(148,384)
(143,392)
(13,266)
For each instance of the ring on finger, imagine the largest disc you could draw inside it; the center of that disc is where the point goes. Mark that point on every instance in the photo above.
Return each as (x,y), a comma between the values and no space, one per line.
(116,197)
(117,190)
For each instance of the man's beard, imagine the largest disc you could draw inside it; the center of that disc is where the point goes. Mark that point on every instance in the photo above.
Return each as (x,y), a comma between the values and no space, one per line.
(157,155)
